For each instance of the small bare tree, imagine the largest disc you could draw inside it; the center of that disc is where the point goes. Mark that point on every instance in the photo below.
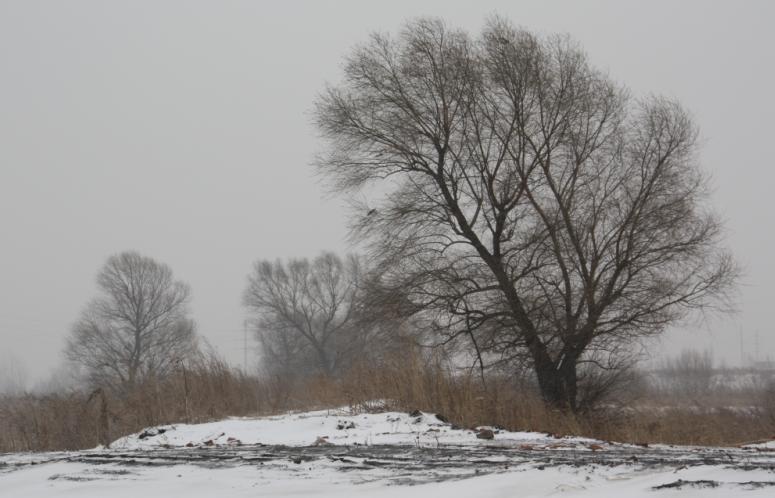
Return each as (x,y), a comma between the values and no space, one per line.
(305,312)
(138,328)
(533,207)
(688,373)
(13,375)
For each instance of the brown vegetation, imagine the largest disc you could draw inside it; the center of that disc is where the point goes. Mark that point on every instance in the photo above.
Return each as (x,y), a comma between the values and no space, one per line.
(208,389)
(205,389)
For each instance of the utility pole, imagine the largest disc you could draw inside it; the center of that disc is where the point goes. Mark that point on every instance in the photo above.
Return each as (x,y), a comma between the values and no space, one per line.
(245,346)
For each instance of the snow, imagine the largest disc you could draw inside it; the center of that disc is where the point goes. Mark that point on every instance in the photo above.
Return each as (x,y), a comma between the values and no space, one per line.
(338,427)
(78,480)
(574,467)
(762,445)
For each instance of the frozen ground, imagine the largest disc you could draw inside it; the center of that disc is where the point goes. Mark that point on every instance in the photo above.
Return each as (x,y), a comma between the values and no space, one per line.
(336,427)
(388,454)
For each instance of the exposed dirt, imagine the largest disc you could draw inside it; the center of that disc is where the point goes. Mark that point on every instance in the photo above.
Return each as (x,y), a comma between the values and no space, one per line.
(412,465)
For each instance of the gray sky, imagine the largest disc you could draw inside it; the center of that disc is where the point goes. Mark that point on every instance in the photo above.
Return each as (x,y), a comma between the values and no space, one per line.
(182,130)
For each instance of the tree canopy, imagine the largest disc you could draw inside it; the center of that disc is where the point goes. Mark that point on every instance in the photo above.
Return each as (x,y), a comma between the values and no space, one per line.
(533,206)
(138,328)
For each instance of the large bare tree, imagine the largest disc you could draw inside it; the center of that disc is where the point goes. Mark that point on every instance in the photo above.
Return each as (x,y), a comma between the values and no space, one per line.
(139,326)
(533,207)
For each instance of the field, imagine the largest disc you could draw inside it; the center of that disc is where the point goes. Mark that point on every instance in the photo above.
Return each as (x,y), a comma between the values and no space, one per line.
(339,453)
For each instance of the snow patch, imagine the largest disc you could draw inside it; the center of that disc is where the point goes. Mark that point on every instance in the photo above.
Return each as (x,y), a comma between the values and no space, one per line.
(340,427)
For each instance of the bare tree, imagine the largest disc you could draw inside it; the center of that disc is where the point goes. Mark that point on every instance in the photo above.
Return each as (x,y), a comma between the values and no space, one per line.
(138,328)
(13,375)
(688,373)
(306,312)
(534,209)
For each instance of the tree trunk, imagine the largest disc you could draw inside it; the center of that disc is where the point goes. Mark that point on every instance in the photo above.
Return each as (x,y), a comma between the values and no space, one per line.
(325,364)
(104,424)
(557,381)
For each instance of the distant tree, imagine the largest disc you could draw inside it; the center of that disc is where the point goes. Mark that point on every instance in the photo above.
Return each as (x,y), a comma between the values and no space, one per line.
(532,208)
(306,312)
(139,326)
(13,375)
(688,373)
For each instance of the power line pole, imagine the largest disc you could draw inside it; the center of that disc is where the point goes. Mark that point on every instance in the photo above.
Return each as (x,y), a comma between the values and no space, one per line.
(245,346)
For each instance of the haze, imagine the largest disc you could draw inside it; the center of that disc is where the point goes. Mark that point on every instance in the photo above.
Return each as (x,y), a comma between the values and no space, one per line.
(182,130)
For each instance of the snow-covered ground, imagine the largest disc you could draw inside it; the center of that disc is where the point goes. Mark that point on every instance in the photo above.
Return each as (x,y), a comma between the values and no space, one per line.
(761,445)
(336,427)
(332,453)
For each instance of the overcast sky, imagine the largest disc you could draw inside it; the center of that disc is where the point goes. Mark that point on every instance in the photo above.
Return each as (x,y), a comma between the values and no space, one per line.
(182,130)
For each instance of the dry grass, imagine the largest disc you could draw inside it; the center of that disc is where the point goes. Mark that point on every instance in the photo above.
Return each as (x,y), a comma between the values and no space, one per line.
(706,426)
(724,417)
(211,390)
(203,391)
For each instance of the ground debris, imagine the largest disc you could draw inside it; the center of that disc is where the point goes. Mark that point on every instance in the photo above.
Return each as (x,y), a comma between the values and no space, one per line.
(705,483)
(485,434)
(322,441)
(680,483)
(151,432)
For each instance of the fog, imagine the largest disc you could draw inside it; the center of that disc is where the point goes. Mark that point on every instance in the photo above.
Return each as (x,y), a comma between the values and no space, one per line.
(181,129)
